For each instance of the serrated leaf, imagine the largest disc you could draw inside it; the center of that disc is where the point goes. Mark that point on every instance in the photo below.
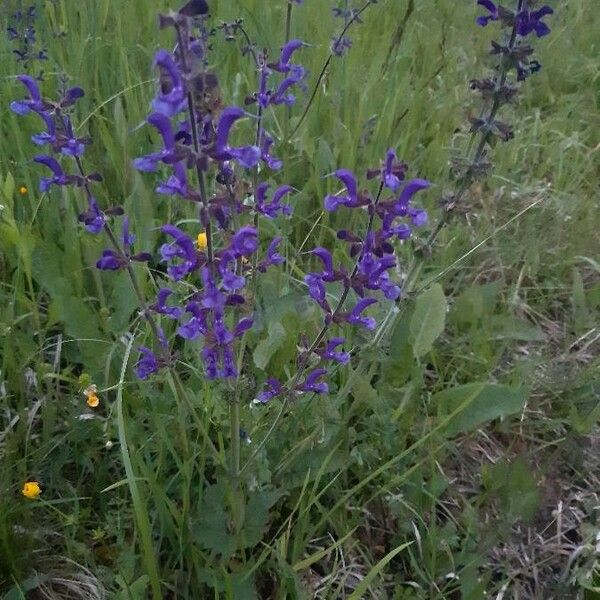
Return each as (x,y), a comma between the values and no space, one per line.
(428,320)
(212,531)
(257,516)
(466,407)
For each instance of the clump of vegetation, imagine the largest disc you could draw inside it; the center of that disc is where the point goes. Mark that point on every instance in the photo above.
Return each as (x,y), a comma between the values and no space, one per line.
(248,351)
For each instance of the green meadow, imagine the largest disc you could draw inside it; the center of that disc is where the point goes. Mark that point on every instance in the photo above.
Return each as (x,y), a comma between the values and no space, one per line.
(456,457)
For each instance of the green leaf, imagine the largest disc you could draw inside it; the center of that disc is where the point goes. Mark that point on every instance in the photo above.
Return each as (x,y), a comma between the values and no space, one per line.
(266,348)
(466,407)
(513,328)
(8,187)
(398,366)
(257,516)
(123,303)
(513,484)
(428,320)
(212,531)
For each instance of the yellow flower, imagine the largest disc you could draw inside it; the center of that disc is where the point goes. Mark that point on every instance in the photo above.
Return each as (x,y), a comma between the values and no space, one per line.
(23,190)
(31,490)
(91,396)
(202,241)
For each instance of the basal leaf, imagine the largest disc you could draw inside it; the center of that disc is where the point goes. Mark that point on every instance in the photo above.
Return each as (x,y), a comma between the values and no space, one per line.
(466,407)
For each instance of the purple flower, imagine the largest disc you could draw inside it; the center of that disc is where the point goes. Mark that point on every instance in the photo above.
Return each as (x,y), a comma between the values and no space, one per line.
(58,178)
(330,353)
(149,163)
(194,8)
(244,241)
(316,281)
(71,96)
(176,185)
(265,149)
(35,103)
(351,198)
(355,317)
(283,64)
(408,191)
(147,363)
(271,209)
(274,389)
(68,144)
(316,290)
(311,384)
(171,99)
(339,46)
(173,312)
(493,14)
(246,156)
(418,217)
(529,21)
(230,281)
(273,257)
(393,171)
(182,248)
(110,260)
(93,218)
(48,136)
(197,325)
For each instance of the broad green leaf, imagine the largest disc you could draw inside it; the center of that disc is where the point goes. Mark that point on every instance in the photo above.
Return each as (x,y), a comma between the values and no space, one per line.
(466,407)
(398,366)
(428,320)
(476,302)
(266,348)
(513,328)
(123,302)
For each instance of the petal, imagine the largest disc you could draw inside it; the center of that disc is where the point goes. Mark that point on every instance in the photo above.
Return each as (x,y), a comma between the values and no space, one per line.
(32,87)
(411,188)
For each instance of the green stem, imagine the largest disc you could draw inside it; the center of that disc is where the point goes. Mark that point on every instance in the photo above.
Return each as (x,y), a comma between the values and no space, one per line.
(237,499)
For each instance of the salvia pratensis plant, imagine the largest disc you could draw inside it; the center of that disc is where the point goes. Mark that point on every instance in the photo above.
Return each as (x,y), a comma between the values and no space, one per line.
(222,257)
(21,31)
(213,268)
(513,64)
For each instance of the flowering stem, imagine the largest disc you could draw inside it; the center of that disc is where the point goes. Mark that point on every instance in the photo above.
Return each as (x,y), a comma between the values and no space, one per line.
(316,342)
(204,216)
(321,335)
(288,33)
(288,21)
(465,182)
(349,24)
(117,246)
(416,263)
(172,374)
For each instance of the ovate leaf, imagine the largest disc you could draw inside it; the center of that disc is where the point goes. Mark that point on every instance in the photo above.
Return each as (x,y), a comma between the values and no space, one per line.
(428,320)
